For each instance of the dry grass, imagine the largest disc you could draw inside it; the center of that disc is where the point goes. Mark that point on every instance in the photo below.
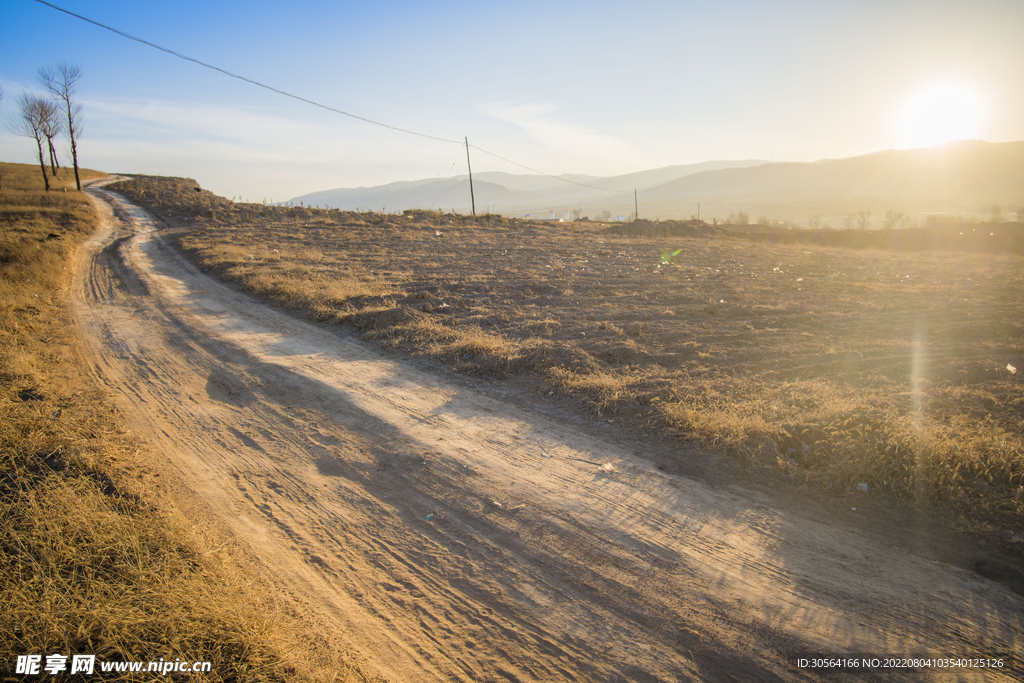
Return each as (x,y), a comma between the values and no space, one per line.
(822,365)
(90,568)
(91,563)
(602,392)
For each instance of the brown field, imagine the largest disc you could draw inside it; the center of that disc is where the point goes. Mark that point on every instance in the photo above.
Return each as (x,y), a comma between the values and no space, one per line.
(93,559)
(820,366)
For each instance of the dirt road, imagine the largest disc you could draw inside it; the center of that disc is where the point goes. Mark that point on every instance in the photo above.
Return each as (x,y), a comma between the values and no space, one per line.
(454,535)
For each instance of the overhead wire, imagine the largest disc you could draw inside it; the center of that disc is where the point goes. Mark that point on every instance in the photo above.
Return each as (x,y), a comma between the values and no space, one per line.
(247,80)
(451,172)
(564,180)
(314,102)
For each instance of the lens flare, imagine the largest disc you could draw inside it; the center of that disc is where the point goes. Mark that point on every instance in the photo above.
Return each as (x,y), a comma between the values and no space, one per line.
(940,114)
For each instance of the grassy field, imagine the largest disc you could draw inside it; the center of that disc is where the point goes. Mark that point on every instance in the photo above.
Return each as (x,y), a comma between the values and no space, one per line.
(823,366)
(91,563)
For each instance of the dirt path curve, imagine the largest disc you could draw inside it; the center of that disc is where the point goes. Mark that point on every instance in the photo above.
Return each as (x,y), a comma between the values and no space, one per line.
(457,538)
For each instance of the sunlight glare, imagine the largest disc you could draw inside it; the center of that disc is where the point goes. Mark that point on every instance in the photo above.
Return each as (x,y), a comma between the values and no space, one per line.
(940,114)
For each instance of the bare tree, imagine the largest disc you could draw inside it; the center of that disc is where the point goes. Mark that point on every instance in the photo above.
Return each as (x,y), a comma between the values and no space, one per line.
(52,127)
(864,219)
(894,219)
(33,114)
(62,80)
(814,223)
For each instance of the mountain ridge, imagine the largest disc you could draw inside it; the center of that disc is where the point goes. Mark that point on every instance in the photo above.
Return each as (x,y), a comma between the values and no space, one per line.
(962,176)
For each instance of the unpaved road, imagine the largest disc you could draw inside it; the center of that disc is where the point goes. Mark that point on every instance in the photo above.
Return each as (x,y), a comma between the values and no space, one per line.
(454,536)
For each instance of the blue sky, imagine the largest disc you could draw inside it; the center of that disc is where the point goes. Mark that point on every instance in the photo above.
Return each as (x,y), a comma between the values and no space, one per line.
(565,87)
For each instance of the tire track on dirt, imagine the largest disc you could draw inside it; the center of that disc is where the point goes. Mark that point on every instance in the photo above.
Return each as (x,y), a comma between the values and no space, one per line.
(453,537)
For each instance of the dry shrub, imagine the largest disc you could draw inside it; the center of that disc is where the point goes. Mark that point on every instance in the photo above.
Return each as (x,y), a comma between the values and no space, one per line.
(602,392)
(294,283)
(468,348)
(171,195)
(548,355)
(475,343)
(402,316)
(840,440)
(722,426)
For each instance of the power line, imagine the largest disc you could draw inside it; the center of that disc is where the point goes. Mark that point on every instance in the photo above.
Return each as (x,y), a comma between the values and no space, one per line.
(313,102)
(450,173)
(564,180)
(243,78)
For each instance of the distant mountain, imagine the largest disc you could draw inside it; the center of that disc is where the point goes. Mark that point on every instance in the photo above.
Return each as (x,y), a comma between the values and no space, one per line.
(623,183)
(967,169)
(641,180)
(500,190)
(417,194)
(964,178)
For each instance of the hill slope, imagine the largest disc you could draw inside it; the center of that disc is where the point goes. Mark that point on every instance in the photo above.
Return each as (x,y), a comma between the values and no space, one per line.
(964,169)
(964,177)
(502,190)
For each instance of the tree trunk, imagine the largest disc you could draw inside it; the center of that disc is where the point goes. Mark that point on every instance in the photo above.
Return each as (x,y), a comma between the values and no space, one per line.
(54,164)
(42,164)
(74,159)
(74,148)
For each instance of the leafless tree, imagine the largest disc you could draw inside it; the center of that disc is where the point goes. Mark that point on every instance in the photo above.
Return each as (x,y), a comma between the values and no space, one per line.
(33,114)
(53,126)
(864,219)
(894,219)
(62,80)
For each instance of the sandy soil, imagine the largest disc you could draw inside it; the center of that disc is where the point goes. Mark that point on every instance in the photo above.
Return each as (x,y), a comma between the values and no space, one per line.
(452,533)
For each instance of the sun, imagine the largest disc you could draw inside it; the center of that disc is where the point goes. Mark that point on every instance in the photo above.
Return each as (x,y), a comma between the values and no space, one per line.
(939,114)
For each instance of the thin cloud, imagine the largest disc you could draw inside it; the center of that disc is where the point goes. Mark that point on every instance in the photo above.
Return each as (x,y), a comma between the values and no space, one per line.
(575,144)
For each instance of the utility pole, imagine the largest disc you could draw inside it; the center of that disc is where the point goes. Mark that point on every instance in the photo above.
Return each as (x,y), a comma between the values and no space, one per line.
(471,197)
(636,207)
